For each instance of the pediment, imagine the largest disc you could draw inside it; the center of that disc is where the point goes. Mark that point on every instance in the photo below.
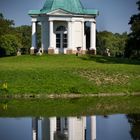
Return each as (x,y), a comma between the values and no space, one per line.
(59,12)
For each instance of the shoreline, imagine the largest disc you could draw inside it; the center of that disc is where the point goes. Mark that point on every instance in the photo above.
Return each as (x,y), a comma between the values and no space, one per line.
(64,96)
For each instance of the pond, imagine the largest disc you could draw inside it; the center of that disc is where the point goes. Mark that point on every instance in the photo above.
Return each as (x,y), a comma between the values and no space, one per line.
(100,118)
(90,127)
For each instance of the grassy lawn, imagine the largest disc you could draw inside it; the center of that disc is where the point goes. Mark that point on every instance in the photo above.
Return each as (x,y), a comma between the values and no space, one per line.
(59,74)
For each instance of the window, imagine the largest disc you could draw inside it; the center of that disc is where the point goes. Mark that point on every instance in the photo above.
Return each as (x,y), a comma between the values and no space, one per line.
(61,28)
(64,40)
(58,124)
(58,40)
(61,37)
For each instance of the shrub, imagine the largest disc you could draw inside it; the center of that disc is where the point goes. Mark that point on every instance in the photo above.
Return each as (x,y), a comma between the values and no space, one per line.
(9,44)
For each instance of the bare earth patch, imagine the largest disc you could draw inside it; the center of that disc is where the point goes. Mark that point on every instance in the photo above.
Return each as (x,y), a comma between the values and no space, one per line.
(104,78)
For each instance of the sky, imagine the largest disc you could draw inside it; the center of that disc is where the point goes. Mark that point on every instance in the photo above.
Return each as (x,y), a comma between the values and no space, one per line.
(114,15)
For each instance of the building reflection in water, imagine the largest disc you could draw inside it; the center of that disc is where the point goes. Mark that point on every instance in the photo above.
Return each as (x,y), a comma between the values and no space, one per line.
(35,128)
(64,128)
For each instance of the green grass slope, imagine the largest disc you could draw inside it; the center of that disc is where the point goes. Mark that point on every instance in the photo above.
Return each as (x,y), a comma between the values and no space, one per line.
(60,74)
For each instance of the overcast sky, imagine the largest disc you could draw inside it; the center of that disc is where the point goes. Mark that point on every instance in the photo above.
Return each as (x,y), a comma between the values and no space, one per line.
(114,14)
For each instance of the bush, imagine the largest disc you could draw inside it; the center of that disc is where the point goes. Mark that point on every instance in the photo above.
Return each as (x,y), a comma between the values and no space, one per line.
(9,44)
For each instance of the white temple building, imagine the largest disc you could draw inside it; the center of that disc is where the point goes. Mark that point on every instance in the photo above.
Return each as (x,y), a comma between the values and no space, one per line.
(63,27)
(64,128)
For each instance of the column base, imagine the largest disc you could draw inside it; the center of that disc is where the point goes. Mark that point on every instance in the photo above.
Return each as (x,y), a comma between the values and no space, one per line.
(69,51)
(91,52)
(50,51)
(83,52)
(33,51)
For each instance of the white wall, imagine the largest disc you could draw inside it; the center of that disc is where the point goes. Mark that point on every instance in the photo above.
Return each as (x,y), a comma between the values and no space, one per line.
(76,128)
(77,34)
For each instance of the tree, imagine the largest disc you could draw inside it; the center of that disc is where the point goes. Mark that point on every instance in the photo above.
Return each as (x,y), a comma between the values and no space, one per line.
(6,25)
(24,34)
(134,121)
(20,36)
(120,44)
(133,48)
(9,45)
(1,16)
(115,43)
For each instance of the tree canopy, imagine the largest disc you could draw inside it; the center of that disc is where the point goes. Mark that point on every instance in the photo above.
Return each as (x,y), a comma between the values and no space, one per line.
(114,43)
(6,25)
(24,34)
(133,48)
(13,38)
(9,45)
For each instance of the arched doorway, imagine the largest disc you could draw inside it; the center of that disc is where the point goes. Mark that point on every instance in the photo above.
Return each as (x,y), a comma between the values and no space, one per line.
(61,38)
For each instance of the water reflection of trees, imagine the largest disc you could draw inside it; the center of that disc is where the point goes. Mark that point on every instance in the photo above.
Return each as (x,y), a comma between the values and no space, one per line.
(134,120)
(4,104)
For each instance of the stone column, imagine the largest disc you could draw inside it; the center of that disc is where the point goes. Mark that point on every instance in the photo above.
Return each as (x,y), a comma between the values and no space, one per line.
(93,37)
(71,126)
(34,129)
(83,38)
(93,127)
(51,48)
(69,50)
(34,38)
(44,36)
(52,127)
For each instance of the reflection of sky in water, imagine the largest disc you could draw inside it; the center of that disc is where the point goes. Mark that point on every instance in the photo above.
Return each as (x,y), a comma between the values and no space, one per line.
(112,127)
(15,128)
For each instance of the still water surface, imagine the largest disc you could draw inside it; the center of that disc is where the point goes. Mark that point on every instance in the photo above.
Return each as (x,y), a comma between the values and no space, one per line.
(111,127)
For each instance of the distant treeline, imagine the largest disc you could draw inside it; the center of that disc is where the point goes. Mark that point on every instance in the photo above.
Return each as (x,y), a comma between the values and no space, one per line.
(14,39)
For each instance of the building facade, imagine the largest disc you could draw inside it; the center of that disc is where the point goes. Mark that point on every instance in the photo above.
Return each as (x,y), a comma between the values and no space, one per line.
(63,27)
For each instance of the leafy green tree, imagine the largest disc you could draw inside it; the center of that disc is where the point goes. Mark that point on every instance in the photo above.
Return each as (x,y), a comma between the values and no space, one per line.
(1,16)
(133,48)
(6,25)
(9,45)
(24,34)
(134,120)
(115,43)
(120,43)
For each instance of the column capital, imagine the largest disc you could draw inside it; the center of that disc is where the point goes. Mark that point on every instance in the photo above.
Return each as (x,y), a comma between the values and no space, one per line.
(50,20)
(82,20)
(70,20)
(34,20)
(93,22)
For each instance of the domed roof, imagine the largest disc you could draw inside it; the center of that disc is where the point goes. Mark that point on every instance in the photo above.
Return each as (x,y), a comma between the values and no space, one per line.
(72,6)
